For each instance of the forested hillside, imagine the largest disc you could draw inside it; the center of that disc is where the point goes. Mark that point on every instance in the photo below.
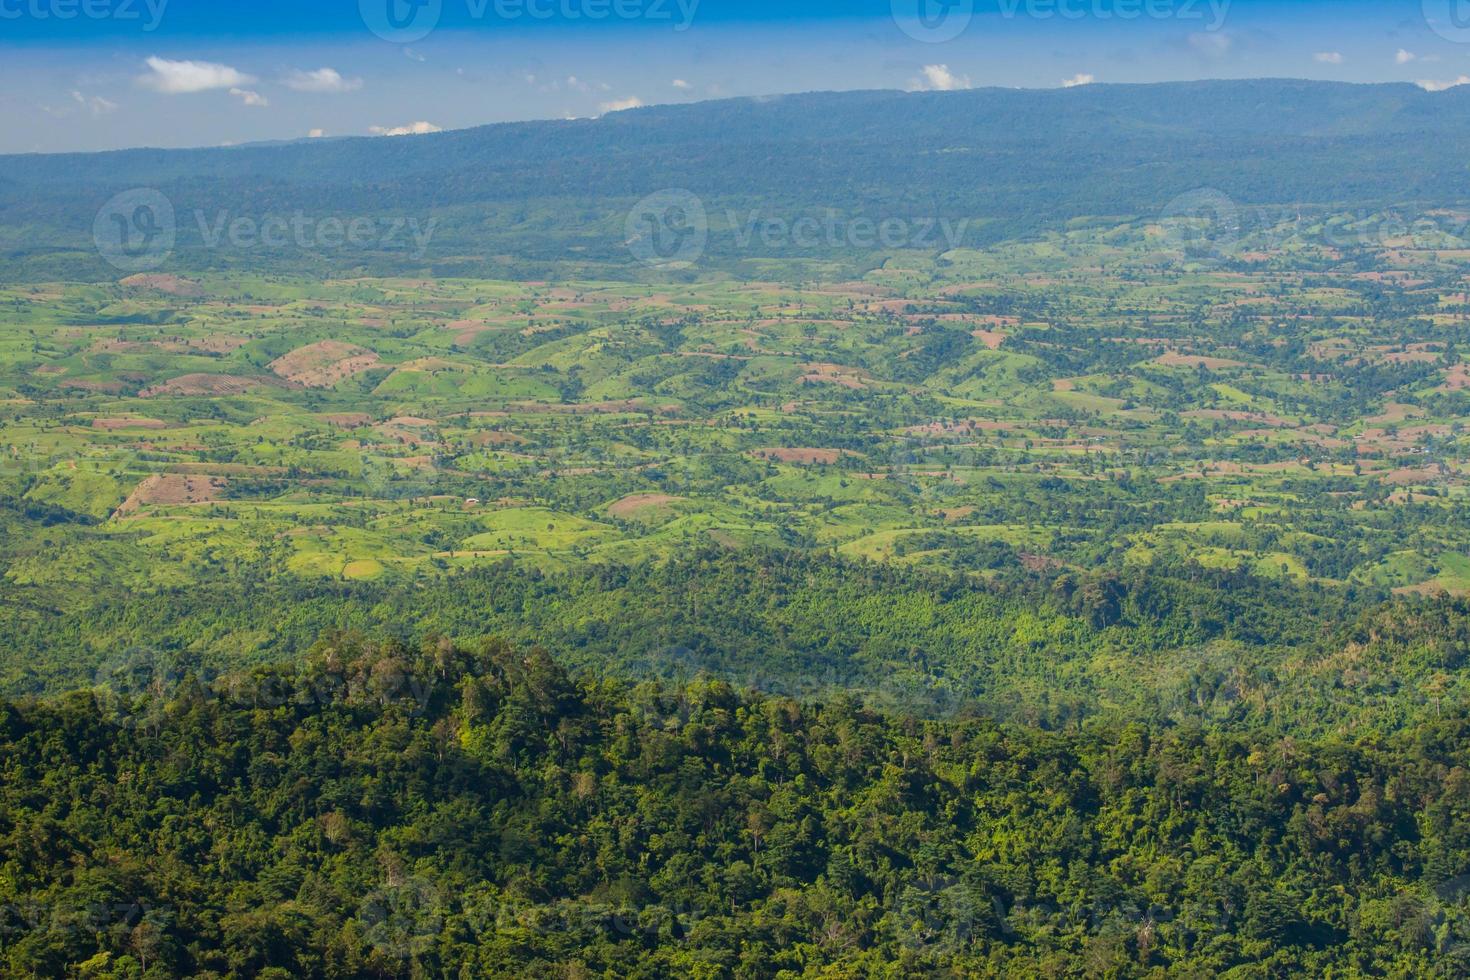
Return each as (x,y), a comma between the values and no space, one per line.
(533,198)
(391,811)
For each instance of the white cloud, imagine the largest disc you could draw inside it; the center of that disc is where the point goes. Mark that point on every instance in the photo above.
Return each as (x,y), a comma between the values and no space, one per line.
(682,85)
(1212,44)
(621,104)
(95,104)
(1081,78)
(316,134)
(938,78)
(1404,57)
(324,80)
(1429,85)
(184,77)
(1329,57)
(247,97)
(420,128)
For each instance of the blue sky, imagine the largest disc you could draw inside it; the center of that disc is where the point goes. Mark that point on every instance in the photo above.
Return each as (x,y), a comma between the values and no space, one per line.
(101,74)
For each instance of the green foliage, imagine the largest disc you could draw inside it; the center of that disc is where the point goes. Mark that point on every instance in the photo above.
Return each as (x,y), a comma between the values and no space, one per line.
(471,810)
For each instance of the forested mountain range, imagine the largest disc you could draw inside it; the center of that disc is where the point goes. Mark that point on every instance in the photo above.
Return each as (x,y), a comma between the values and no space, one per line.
(526,196)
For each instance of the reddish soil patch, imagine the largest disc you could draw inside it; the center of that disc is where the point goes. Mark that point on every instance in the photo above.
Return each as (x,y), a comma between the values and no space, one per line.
(207,384)
(172,489)
(805,457)
(1412,475)
(832,374)
(348,420)
(324,364)
(990,338)
(173,285)
(965,427)
(593,408)
(828,379)
(496,439)
(465,331)
(109,425)
(1457,378)
(639,503)
(99,387)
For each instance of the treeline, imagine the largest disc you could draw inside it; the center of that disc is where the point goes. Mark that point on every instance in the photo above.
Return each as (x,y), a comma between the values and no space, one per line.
(473,810)
(1045,647)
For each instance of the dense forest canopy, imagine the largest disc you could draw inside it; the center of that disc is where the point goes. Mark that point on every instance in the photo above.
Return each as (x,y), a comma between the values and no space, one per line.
(447,810)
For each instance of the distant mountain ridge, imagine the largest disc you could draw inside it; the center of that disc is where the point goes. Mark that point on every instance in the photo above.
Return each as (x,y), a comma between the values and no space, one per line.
(1013,160)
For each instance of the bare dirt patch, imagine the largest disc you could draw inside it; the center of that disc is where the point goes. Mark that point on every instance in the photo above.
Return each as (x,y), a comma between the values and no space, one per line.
(111,425)
(324,364)
(804,457)
(642,505)
(97,387)
(348,420)
(171,489)
(208,384)
(173,285)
